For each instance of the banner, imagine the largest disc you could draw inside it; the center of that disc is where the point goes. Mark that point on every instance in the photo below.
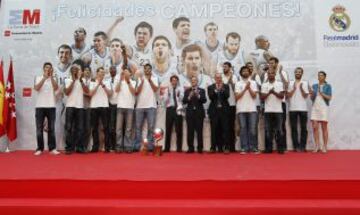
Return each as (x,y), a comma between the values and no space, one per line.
(316,35)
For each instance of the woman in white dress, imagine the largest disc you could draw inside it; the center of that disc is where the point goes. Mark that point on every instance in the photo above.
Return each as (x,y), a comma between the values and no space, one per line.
(321,95)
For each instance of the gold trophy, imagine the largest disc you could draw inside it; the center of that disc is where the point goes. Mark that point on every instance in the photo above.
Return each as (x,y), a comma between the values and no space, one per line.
(158,135)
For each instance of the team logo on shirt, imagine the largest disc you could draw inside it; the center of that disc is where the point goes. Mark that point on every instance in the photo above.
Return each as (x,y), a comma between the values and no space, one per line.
(339,21)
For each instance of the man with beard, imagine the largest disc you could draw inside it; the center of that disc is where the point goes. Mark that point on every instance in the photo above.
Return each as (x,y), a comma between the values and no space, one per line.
(297,94)
(246,91)
(230,79)
(79,47)
(146,107)
(232,53)
(218,114)
(272,92)
(96,57)
(280,76)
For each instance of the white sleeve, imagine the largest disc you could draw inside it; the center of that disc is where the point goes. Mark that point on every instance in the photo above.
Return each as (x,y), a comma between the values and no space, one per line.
(285,74)
(254,86)
(67,82)
(305,87)
(107,84)
(155,80)
(237,87)
(291,86)
(264,88)
(279,87)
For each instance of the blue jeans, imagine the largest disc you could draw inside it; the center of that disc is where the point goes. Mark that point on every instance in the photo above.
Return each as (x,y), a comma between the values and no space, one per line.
(140,115)
(124,117)
(248,131)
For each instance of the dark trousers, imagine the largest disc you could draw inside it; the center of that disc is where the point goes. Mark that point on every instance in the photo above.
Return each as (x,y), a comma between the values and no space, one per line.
(40,115)
(87,127)
(173,118)
(97,114)
(74,129)
(219,130)
(231,127)
(295,117)
(283,125)
(273,128)
(194,124)
(112,125)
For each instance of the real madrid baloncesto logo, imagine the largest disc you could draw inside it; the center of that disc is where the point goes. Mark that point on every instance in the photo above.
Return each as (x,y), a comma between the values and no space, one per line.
(339,20)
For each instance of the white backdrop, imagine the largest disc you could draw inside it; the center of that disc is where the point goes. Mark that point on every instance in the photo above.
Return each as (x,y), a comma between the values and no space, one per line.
(296,30)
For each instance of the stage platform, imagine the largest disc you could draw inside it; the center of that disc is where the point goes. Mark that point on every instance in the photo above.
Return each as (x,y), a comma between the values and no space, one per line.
(293,183)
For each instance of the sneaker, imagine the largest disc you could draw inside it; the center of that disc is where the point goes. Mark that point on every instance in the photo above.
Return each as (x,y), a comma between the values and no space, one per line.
(54,152)
(256,151)
(242,152)
(37,153)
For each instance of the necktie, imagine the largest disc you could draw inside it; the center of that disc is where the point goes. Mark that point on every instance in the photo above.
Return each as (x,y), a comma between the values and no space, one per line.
(174,97)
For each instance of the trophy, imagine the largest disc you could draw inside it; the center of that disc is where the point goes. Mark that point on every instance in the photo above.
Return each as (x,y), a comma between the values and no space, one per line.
(144,147)
(158,135)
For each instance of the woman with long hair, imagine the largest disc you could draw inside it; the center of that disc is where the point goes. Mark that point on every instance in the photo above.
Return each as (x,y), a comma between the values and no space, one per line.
(321,93)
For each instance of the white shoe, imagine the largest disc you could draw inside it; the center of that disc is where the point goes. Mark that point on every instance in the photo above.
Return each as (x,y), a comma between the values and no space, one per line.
(37,153)
(54,152)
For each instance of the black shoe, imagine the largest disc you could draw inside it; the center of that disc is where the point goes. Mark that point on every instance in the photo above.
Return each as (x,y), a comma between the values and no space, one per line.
(281,151)
(68,152)
(200,151)
(120,150)
(267,151)
(94,150)
(190,151)
(107,151)
(212,151)
(166,150)
(179,150)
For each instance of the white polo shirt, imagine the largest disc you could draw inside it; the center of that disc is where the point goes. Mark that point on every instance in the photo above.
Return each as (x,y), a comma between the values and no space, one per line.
(100,98)
(297,102)
(147,97)
(125,98)
(246,103)
(76,97)
(46,94)
(272,103)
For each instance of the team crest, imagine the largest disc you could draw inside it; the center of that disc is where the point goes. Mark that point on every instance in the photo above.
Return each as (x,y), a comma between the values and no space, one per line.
(339,21)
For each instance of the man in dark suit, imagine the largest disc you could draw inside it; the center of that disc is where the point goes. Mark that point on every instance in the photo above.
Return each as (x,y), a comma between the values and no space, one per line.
(218,113)
(194,98)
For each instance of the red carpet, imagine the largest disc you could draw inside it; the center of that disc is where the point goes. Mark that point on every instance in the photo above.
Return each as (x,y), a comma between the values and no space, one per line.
(180,183)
